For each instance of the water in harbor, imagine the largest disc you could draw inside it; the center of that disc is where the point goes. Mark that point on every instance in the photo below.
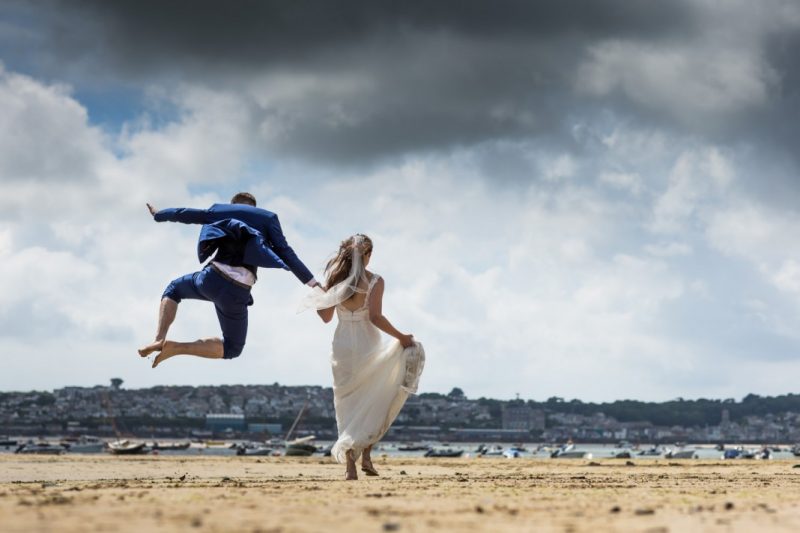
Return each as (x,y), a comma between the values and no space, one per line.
(469,449)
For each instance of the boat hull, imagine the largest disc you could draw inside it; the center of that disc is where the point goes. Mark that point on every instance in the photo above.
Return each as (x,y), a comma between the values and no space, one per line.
(444,453)
(573,455)
(127,448)
(87,448)
(683,454)
(41,450)
(300,450)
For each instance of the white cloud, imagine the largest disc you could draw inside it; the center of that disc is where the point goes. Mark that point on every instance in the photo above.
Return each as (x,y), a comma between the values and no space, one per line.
(753,231)
(764,237)
(693,81)
(542,289)
(5,241)
(206,147)
(560,168)
(669,249)
(624,181)
(787,278)
(44,132)
(697,177)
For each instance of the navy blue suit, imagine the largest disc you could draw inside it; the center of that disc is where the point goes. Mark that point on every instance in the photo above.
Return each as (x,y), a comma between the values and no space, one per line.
(262,221)
(241,235)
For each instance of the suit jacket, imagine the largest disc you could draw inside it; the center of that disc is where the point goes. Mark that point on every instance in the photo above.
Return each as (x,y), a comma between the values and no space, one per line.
(265,247)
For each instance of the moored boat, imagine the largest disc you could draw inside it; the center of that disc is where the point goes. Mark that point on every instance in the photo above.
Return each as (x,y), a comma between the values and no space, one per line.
(763,453)
(301,447)
(40,448)
(681,454)
(513,452)
(655,451)
(495,450)
(444,452)
(568,451)
(573,454)
(171,446)
(413,448)
(84,444)
(127,447)
(731,453)
(254,450)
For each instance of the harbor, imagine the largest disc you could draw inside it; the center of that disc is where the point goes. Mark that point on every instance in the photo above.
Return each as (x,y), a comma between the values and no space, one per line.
(309,446)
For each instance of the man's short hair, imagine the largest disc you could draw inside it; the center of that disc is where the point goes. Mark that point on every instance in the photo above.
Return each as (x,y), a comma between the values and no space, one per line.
(244,198)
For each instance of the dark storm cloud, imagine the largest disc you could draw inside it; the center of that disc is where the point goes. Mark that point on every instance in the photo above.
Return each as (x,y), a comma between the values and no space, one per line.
(143,35)
(389,77)
(779,126)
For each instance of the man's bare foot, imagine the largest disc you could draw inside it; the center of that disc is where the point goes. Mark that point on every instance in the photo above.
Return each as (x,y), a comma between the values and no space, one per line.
(167,351)
(150,348)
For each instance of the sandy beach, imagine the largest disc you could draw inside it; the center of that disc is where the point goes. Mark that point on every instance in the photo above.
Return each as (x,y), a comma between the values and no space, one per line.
(280,494)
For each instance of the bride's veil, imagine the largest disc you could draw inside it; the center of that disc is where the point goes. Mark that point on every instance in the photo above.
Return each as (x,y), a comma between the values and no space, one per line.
(321,299)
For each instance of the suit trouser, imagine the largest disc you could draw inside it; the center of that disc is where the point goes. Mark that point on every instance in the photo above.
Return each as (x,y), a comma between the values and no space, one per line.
(229,299)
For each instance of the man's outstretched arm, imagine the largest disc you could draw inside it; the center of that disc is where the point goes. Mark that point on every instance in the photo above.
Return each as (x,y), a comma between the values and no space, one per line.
(185,215)
(286,253)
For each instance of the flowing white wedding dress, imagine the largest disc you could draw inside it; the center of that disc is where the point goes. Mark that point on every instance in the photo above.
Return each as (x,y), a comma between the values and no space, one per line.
(371,379)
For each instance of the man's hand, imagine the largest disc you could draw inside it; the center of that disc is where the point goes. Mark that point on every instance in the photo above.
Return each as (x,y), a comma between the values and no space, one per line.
(314,283)
(152,209)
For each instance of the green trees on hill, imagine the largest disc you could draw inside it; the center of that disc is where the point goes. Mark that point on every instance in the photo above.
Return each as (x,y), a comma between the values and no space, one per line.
(678,411)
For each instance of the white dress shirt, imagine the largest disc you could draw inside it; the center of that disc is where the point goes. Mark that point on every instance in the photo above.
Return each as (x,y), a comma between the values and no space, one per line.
(243,275)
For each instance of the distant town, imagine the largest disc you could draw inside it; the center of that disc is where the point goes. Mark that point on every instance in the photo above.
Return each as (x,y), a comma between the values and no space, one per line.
(268,411)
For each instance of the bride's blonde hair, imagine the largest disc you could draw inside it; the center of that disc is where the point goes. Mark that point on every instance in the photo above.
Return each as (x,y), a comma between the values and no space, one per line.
(339,267)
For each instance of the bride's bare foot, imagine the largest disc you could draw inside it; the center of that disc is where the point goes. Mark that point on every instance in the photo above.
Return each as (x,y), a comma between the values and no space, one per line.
(167,351)
(368,468)
(150,348)
(366,462)
(351,474)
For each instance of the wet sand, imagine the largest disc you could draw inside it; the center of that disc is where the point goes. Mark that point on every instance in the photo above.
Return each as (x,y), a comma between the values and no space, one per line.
(287,494)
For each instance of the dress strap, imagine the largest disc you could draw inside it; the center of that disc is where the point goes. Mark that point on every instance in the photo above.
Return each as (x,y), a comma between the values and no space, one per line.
(372,282)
